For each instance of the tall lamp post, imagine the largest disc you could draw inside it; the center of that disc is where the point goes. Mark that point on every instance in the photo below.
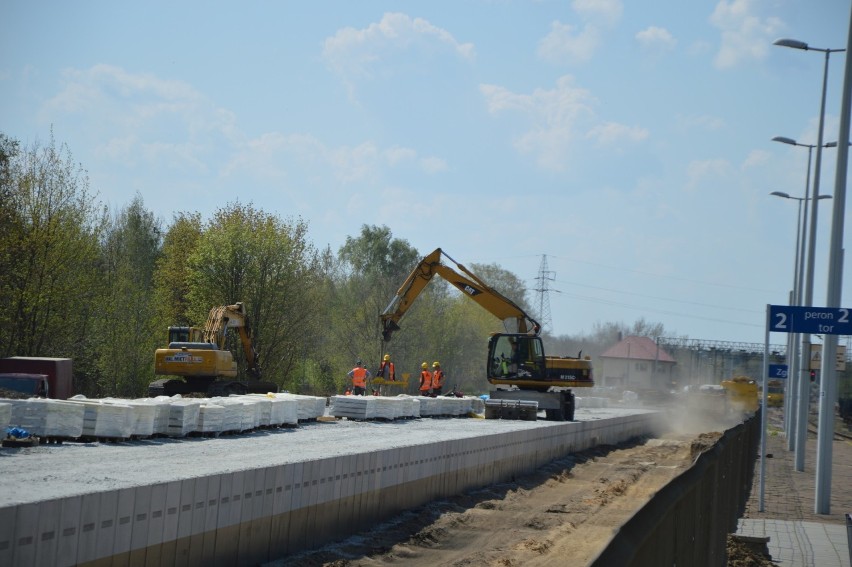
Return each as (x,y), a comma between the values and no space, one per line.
(793,359)
(804,398)
(794,388)
(828,385)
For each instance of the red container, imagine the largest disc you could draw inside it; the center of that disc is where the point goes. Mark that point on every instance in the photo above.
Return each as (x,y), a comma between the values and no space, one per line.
(58,370)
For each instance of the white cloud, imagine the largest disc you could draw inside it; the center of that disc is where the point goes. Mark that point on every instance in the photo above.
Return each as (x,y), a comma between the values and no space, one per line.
(355,51)
(141,119)
(267,157)
(396,155)
(165,123)
(745,35)
(565,43)
(558,118)
(433,164)
(756,158)
(657,39)
(700,170)
(702,122)
(609,11)
(610,133)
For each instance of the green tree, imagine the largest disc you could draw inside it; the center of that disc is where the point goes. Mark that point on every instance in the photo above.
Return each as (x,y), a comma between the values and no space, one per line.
(127,316)
(504,281)
(371,268)
(171,277)
(247,255)
(51,226)
(11,227)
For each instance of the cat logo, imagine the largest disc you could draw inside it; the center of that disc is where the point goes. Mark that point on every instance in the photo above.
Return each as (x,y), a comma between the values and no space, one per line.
(467,288)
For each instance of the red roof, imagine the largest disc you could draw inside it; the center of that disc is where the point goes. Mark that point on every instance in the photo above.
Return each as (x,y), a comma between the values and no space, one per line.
(638,348)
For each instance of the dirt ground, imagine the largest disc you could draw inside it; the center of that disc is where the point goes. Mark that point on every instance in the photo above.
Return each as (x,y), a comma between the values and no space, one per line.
(567,509)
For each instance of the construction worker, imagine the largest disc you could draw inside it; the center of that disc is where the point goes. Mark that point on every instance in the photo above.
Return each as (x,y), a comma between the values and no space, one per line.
(425,380)
(437,379)
(359,376)
(386,369)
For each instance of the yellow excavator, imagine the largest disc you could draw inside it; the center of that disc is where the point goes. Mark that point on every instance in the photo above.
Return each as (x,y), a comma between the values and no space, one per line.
(202,361)
(516,362)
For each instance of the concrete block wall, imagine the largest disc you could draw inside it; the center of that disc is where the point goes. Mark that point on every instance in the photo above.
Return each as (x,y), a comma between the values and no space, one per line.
(687,521)
(255,515)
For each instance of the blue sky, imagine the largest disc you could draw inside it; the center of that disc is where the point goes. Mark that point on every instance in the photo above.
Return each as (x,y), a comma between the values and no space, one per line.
(629,142)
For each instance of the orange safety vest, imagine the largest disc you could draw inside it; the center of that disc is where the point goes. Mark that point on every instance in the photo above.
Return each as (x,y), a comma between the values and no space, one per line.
(359,377)
(386,371)
(438,379)
(425,380)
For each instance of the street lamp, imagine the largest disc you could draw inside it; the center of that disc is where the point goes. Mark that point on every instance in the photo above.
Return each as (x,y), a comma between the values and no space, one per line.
(800,245)
(803,399)
(793,359)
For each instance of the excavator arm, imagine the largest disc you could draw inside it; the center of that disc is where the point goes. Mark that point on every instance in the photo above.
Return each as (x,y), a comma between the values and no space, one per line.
(234,316)
(514,318)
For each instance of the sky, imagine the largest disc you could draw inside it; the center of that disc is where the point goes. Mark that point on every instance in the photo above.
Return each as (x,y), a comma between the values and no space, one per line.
(626,144)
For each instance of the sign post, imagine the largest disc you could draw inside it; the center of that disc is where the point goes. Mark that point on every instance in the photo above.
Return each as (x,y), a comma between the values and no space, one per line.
(807,321)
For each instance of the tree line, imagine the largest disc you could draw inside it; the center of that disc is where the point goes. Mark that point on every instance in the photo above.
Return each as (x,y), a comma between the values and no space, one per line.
(101,286)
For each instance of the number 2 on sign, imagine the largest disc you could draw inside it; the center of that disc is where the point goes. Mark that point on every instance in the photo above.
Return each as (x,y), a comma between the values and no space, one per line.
(781,322)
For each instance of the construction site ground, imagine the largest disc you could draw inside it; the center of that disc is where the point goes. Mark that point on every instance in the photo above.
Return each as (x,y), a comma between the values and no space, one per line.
(568,509)
(571,508)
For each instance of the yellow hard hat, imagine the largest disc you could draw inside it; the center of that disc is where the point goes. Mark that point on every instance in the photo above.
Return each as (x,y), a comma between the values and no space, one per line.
(436,363)
(424,365)
(387,357)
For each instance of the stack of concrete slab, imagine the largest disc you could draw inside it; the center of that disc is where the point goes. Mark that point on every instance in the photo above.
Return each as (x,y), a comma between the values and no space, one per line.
(429,407)
(109,421)
(387,408)
(141,416)
(309,407)
(162,409)
(231,414)
(183,417)
(48,418)
(284,411)
(353,407)
(264,409)
(250,412)
(210,418)
(411,406)
(374,407)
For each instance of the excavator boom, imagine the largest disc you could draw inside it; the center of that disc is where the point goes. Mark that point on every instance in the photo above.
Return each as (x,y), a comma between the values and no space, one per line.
(514,318)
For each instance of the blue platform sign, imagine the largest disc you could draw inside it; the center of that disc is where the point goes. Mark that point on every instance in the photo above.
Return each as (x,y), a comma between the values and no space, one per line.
(777,371)
(810,320)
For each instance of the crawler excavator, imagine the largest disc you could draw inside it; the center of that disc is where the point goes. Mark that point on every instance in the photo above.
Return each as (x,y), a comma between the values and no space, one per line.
(202,361)
(516,362)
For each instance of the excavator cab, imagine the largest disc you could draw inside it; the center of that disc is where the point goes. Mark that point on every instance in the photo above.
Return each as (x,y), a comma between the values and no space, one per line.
(517,359)
(185,335)
(515,356)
